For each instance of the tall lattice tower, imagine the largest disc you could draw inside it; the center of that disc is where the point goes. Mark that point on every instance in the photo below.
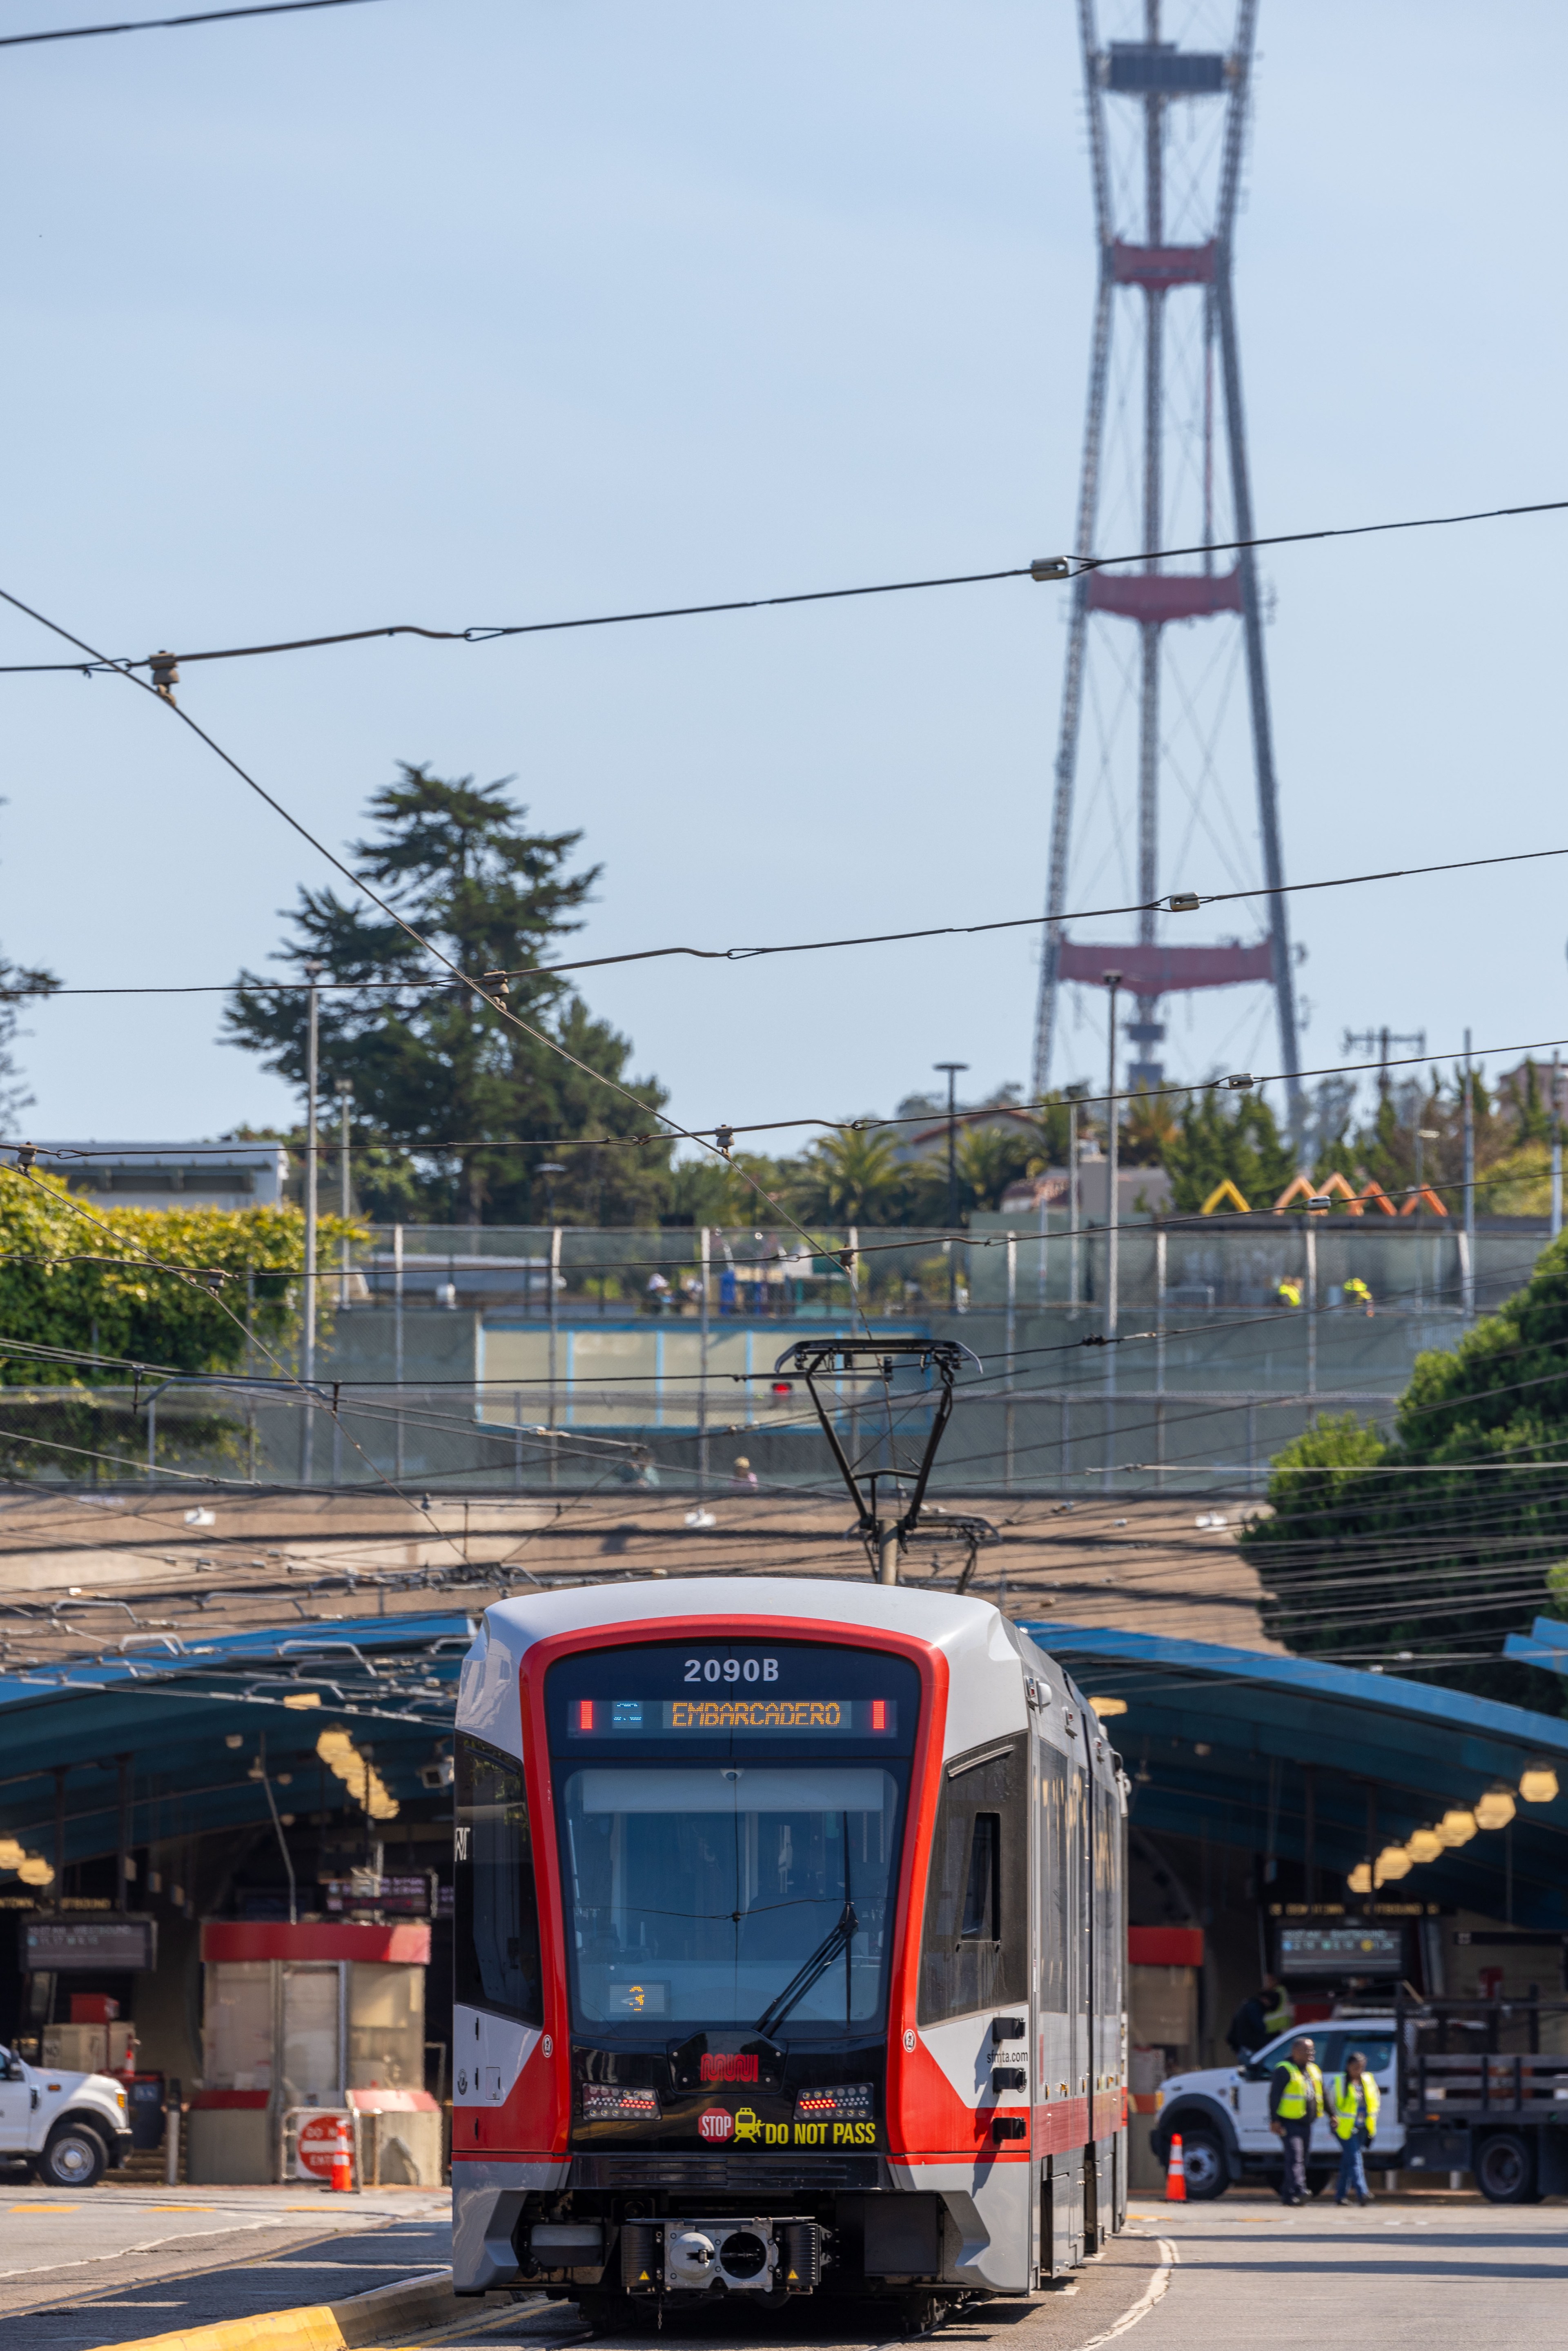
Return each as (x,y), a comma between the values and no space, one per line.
(1151,709)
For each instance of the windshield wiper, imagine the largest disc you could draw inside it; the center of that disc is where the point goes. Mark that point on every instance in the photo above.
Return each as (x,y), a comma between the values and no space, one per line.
(838,1938)
(836,1941)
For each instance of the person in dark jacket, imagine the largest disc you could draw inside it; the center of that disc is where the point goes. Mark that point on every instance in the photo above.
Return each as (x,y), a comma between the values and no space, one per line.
(1259,2019)
(1295,2102)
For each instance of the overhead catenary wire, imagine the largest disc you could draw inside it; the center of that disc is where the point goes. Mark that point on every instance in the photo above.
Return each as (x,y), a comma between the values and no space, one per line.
(1171,902)
(1054,567)
(1242,1082)
(170,23)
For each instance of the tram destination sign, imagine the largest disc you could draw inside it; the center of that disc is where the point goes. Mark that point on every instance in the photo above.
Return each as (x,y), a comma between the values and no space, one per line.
(680,1718)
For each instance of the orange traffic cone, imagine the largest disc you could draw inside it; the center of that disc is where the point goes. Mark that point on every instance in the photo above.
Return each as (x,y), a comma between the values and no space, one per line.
(344,2161)
(1175,2172)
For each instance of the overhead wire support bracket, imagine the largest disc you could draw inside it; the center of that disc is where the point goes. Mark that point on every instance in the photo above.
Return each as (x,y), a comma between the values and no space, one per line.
(809,1359)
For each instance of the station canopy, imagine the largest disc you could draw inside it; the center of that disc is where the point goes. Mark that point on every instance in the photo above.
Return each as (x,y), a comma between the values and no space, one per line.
(1277,1754)
(190,1735)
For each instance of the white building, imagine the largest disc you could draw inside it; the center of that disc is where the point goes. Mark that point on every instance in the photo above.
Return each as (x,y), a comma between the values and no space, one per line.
(170,1175)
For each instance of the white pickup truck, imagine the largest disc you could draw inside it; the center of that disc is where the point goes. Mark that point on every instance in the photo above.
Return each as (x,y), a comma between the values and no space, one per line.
(68,2128)
(1222,2113)
(1468,2085)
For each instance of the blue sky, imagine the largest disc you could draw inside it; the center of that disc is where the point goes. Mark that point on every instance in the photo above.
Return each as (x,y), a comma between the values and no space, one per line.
(496,309)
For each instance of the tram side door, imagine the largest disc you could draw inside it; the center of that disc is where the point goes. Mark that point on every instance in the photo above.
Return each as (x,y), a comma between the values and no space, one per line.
(1059,2161)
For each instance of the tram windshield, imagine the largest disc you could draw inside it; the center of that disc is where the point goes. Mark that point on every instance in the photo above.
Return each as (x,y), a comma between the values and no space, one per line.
(730,1844)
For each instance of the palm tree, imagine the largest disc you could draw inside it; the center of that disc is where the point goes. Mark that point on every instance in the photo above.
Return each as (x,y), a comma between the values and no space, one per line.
(851,1178)
(989,1159)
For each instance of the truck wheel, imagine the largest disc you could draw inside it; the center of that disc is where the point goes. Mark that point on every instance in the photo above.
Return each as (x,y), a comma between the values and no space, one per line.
(1505,2168)
(74,2158)
(1203,2160)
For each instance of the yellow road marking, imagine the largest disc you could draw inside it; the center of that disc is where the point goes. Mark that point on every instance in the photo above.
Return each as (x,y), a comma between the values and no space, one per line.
(45,2208)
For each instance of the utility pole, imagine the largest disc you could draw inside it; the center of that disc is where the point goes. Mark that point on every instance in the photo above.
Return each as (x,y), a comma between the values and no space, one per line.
(952,1069)
(1556,1145)
(345,1093)
(1467,1272)
(1113,1140)
(313,971)
(1379,1043)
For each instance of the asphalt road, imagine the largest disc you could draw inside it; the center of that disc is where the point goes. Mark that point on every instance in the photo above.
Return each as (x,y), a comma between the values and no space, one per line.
(1430,2275)
(115,2264)
(1415,2275)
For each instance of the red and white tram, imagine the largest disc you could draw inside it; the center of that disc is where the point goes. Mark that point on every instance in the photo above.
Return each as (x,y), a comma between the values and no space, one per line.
(790,1924)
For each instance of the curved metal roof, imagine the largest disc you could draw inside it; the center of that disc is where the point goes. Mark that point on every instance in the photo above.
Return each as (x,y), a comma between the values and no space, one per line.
(174,1710)
(1221,1740)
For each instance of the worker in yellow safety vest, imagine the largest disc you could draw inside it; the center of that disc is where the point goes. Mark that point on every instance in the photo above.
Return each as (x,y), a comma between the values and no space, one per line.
(1356,1294)
(1280,2010)
(1288,1292)
(1353,2101)
(1295,2101)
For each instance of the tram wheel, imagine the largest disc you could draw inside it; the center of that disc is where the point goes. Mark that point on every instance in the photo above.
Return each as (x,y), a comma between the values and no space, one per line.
(920,2314)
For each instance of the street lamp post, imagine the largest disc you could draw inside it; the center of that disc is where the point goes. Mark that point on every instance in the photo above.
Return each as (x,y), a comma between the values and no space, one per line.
(313,971)
(1113,1140)
(345,1093)
(952,1069)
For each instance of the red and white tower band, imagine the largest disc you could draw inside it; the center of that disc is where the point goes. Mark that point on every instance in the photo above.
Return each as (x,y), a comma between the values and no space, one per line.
(1147,100)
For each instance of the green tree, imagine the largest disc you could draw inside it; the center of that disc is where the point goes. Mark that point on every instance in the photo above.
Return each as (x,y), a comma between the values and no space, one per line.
(433,1070)
(1214,1141)
(99,1285)
(1443,1539)
(848,1177)
(989,1158)
(18,986)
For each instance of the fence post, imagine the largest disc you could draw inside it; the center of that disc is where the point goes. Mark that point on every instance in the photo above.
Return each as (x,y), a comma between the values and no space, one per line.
(1311,1237)
(554,1326)
(1012,1343)
(397,1344)
(706,1257)
(1160,1310)
(152,1441)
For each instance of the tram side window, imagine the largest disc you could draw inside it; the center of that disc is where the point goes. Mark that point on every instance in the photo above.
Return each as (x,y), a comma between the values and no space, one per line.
(1054,1890)
(496,1908)
(974,1949)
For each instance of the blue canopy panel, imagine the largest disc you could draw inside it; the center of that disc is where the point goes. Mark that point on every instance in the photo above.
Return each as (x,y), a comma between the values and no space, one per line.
(1218,1740)
(195,1719)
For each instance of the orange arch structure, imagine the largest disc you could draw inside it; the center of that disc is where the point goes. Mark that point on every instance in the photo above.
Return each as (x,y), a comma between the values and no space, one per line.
(1425,1198)
(1301,1187)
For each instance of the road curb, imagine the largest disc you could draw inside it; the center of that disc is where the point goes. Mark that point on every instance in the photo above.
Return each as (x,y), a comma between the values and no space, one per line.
(349,2325)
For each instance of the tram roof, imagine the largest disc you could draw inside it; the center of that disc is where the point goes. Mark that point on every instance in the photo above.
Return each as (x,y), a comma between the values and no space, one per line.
(1219,1741)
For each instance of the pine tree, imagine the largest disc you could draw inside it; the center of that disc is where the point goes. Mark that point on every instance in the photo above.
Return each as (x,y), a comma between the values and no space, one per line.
(435,1073)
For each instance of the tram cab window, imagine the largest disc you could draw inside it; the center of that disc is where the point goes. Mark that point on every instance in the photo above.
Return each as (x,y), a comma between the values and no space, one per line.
(975,1943)
(497,1953)
(731,1817)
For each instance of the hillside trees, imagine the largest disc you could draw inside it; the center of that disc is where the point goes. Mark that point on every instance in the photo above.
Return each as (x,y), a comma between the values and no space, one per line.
(1429,1546)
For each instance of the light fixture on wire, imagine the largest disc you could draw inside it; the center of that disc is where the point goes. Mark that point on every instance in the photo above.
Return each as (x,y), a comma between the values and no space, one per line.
(1457,1827)
(1496,1808)
(1538,1783)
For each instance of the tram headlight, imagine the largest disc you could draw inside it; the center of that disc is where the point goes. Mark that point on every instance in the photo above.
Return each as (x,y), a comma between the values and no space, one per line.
(846,2102)
(603,2102)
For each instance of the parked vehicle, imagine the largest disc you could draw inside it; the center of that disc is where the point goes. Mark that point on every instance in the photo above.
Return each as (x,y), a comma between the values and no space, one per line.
(1466,2087)
(790,1923)
(68,2128)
